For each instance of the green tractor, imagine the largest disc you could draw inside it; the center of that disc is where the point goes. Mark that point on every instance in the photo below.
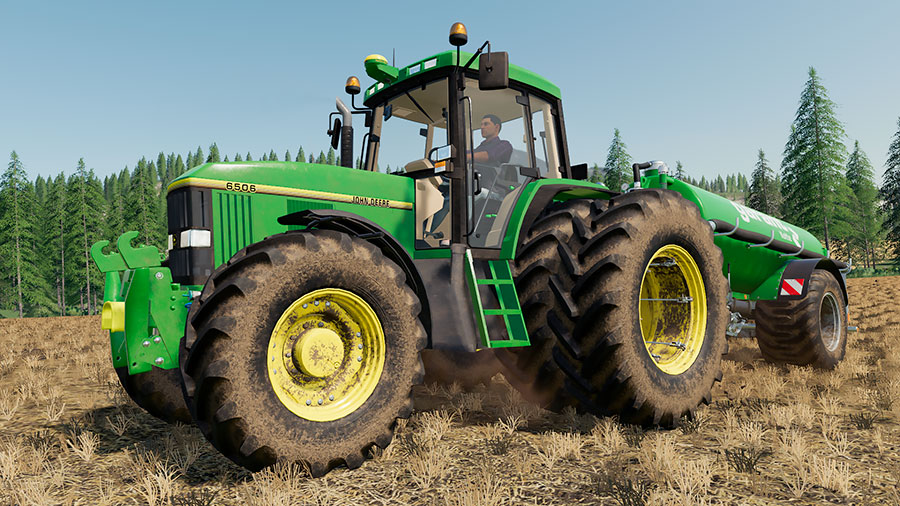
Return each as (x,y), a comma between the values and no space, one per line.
(289,316)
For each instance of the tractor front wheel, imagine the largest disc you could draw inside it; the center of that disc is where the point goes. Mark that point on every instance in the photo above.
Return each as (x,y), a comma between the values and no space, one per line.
(303,347)
(158,392)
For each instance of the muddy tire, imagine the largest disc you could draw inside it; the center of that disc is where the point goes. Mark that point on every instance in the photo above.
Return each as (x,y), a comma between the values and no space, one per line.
(581,274)
(811,331)
(255,377)
(158,392)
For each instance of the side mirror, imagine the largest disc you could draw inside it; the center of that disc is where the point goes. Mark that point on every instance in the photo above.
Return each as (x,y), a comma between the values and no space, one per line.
(493,71)
(579,172)
(335,133)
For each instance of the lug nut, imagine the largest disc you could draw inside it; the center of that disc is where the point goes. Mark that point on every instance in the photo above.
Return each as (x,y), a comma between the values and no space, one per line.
(159,275)
(288,354)
(157,340)
(328,303)
(315,303)
(359,359)
(321,324)
(359,346)
(159,360)
(331,397)
(145,344)
(305,306)
(320,402)
(308,402)
(358,334)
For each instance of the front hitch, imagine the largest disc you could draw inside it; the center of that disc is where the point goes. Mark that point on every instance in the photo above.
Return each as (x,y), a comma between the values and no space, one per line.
(143,309)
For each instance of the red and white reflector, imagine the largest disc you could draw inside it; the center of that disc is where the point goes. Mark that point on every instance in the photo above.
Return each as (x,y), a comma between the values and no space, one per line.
(792,286)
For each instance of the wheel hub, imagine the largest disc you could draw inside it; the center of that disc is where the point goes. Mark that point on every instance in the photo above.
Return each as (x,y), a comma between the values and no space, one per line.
(319,352)
(672,309)
(326,354)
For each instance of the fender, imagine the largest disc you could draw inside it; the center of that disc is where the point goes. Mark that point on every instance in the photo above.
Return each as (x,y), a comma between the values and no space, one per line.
(798,272)
(536,197)
(358,226)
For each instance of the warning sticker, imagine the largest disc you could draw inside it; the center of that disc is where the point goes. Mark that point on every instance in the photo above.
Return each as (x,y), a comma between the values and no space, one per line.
(792,286)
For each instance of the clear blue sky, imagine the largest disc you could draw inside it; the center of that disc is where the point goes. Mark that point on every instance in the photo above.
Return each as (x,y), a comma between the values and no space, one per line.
(707,83)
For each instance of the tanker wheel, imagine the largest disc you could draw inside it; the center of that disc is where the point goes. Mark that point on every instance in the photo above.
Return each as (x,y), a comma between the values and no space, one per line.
(626,308)
(467,369)
(304,347)
(811,331)
(158,392)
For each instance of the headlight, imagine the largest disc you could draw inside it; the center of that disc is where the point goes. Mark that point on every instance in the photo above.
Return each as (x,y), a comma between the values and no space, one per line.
(190,239)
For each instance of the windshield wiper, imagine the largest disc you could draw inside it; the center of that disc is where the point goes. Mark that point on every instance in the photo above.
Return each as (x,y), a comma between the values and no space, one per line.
(419,107)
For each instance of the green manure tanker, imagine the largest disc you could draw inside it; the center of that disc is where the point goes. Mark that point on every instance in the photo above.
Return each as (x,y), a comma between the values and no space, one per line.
(298,304)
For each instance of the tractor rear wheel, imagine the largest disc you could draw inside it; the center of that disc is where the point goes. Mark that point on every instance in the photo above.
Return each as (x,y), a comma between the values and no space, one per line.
(158,392)
(811,331)
(304,347)
(625,306)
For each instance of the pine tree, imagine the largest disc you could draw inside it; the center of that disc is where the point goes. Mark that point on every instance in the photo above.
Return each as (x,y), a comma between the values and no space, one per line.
(214,156)
(249,158)
(329,158)
(14,229)
(238,158)
(311,158)
(763,194)
(86,213)
(142,206)
(287,155)
(860,178)
(55,240)
(301,157)
(19,242)
(596,176)
(161,166)
(679,171)
(813,161)
(226,159)
(170,168)
(618,163)
(890,194)
(178,169)
(265,157)
(321,158)
(272,156)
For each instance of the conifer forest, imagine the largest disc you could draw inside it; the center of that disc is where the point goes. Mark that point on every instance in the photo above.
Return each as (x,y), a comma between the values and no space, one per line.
(824,183)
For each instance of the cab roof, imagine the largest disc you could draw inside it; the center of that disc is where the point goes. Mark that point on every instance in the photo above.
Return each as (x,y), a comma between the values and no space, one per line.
(448,59)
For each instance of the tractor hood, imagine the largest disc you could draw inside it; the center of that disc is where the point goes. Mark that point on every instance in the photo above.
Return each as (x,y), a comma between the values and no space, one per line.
(304,180)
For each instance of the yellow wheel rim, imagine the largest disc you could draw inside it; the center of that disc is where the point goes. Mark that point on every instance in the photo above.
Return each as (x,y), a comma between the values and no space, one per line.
(672,309)
(326,354)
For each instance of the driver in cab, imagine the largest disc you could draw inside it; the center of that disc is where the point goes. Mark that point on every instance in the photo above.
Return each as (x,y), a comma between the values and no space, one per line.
(492,151)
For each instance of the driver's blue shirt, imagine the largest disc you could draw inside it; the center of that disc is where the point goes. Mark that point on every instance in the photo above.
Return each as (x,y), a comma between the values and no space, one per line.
(498,151)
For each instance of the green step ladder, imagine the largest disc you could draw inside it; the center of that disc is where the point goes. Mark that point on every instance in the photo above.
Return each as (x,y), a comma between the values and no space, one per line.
(510,310)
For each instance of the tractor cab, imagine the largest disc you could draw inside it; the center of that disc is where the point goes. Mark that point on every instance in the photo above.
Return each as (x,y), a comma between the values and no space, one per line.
(471,130)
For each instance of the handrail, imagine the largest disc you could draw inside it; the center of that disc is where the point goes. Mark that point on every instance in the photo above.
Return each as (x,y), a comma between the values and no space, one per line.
(763,244)
(802,246)
(737,222)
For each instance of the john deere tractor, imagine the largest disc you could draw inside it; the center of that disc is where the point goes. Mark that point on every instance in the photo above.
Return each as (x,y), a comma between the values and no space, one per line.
(288,316)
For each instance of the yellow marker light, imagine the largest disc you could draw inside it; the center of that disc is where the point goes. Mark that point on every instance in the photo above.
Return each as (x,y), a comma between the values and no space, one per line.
(376,58)
(352,86)
(112,318)
(458,34)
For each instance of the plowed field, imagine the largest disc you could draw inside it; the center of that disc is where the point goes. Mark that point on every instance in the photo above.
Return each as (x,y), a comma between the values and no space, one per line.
(773,435)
